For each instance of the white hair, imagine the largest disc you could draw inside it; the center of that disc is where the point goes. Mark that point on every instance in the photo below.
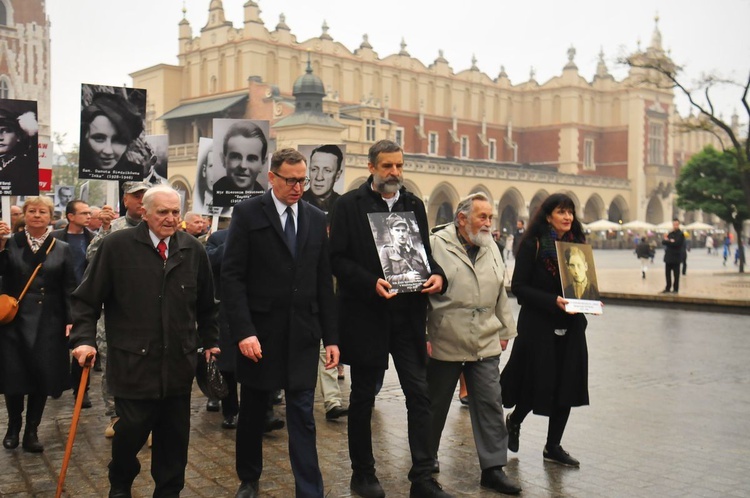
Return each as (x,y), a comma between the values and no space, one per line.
(148,197)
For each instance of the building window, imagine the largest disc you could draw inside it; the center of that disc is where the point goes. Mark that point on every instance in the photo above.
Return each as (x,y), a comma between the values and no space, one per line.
(492,153)
(656,143)
(432,147)
(398,136)
(464,147)
(588,154)
(3,14)
(4,87)
(370,130)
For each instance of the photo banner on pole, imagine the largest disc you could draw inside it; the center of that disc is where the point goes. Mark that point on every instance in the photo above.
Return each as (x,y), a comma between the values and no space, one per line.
(112,142)
(19,147)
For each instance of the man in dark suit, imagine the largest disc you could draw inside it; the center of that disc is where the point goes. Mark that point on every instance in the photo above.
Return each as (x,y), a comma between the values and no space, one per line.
(326,164)
(276,279)
(78,236)
(580,286)
(156,285)
(673,242)
(375,322)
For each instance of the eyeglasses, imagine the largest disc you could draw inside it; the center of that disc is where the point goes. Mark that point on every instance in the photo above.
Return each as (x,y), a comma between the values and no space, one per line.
(291,182)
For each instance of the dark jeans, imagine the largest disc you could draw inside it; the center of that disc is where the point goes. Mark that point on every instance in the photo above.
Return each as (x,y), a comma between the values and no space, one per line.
(412,374)
(672,269)
(168,419)
(303,453)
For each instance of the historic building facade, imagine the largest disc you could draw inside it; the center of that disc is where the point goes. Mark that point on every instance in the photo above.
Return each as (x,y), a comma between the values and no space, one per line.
(25,61)
(610,144)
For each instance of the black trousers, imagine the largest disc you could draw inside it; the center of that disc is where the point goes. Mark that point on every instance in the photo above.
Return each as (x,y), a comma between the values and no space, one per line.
(303,454)
(412,374)
(76,371)
(230,406)
(168,419)
(672,269)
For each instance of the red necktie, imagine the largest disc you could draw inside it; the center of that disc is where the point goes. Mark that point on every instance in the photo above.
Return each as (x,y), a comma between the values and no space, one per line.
(162,248)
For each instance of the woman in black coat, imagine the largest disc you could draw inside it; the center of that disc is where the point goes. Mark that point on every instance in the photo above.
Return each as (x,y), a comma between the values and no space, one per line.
(548,368)
(34,359)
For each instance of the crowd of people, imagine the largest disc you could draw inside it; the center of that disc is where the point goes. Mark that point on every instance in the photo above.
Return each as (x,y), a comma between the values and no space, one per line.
(280,299)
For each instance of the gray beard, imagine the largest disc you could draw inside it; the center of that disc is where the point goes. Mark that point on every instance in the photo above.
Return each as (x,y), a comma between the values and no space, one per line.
(384,187)
(481,239)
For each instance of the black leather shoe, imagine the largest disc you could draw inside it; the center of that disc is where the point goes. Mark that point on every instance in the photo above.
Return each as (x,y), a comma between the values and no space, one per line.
(337,412)
(496,480)
(514,434)
(429,488)
(248,489)
(230,422)
(366,486)
(31,441)
(559,455)
(86,400)
(115,492)
(273,424)
(11,439)
(435,466)
(213,405)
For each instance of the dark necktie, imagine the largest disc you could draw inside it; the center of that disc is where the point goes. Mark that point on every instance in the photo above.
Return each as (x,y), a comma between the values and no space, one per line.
(162,248)
(289,232)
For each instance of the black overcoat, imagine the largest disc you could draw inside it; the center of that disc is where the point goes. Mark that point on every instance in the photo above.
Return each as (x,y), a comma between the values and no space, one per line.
(157,312)
(215,246)
(286,302)
(364,317)
(537,373)
(33,347)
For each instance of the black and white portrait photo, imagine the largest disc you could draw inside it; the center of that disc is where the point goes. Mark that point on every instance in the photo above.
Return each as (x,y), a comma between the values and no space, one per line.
(19,150)
(63,195)
(401,250)
(241,149)
(325,168)
(207,173)
(112,142)
(577,271)
(156,168)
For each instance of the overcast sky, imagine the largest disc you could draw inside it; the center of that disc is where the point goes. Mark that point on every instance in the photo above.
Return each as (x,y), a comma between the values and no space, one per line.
(102,41)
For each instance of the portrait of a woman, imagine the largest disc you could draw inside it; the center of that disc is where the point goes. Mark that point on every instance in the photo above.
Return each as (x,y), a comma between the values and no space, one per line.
(109,125)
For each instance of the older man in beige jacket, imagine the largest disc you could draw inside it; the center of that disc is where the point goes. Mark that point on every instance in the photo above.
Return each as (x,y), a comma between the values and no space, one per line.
(468,328)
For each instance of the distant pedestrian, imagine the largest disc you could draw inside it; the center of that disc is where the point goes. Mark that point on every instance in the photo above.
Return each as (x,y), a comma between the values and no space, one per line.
(727,243)
(709,243)
(673,245)
(643,252)
(517,236)
(652,245)
(685,249)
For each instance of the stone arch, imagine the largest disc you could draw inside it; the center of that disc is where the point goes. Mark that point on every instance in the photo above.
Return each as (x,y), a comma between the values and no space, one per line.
(483,189)
(356,183)
(618,210)
(6,13)
(575,199)
(182,185)
(442,204)
(594,209)
(654,210)
(510,208)
(413,188)
(536,201)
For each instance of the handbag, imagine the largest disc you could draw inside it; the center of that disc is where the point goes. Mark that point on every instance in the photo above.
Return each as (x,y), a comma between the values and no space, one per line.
(9,304)
(209,378)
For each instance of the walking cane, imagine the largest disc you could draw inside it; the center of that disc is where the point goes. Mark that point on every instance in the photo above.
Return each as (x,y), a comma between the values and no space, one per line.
(74,424)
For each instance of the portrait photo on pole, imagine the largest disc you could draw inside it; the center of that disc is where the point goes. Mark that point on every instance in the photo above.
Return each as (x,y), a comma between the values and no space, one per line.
(401,250)
(578,277)
(112,145)
(19,149)
(63,195)
(156,170)
(207,172)
(241,148)
(325,168)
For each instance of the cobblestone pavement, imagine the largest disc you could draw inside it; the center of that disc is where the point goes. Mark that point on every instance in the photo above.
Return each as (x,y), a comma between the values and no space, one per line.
(670,392)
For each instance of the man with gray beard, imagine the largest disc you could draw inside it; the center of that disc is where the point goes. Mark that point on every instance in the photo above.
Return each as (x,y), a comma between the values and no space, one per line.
(468,327)
(375,323)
